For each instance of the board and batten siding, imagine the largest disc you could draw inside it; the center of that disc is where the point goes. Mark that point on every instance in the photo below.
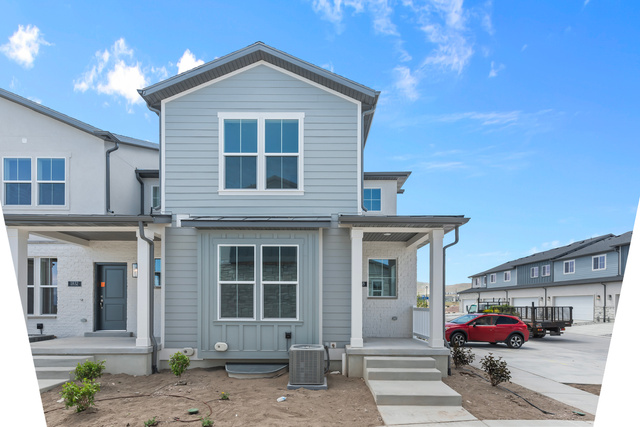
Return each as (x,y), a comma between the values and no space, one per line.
(584,268)
(524,273)
(500,279)
(181,287)
(330,151)
(336,287)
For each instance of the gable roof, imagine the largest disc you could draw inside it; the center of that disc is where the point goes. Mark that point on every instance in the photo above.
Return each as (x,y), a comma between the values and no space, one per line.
(75,123)
(551,254)
(607,245)
(154,94)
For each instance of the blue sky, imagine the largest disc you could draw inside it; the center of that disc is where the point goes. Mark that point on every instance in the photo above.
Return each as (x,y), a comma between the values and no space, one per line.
(523,116)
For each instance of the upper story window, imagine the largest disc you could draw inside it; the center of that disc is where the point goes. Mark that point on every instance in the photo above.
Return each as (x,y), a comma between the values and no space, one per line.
(570,267)
(534,272)
(49,185)
(507,276)
(261,152)
(599,262)
(492,278)
(546,270)
(17,181)
(484,280)
(372,199)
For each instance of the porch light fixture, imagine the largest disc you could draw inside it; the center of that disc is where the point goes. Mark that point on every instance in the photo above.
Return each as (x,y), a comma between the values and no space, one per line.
(135,270)
(598,297)
(609,297)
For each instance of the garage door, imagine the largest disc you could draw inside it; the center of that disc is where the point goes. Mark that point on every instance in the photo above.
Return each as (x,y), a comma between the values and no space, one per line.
(525,302)
(582,306)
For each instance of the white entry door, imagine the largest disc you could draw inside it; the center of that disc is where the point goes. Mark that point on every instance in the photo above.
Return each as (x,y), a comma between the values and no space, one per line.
(582,306)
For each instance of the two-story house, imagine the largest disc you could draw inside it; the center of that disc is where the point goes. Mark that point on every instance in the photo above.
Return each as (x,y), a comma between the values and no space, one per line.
(586,275)
(267,229)
(74,198)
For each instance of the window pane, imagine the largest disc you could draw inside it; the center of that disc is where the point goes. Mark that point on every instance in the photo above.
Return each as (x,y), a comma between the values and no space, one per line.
(236,263)
(50,194)
(30,286)
(281,136)
(17,194)
(48,272)
(24,169)
(375,205)
(44,169)
(246,263)
(289,264)
(280,301)
(289,136)
(236,301)
(30,300)
(271,263)
(282,172)
(382,277)
(227,263)
(49,300)
(155,196)
(240,172)
(57,169)
(10,169)
(232,136)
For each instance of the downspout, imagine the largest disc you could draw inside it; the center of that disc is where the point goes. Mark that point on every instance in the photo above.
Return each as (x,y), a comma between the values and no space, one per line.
(141,192)
(154,354)
(444,283)
(108,175)
(366,113)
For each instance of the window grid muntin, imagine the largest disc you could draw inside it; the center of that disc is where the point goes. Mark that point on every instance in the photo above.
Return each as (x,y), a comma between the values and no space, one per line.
(372,198)
(236,282)
(41,181)
(280,282)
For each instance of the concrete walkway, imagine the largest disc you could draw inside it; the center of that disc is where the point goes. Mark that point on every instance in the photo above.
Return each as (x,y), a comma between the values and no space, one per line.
(446,416)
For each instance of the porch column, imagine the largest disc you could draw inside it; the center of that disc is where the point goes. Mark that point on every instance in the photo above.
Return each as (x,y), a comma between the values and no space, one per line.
(356,288)
(143,329)
(18,245)
(436,284)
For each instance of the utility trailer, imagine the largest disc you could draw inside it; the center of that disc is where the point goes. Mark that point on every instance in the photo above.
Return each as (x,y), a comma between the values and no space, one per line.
(539,320)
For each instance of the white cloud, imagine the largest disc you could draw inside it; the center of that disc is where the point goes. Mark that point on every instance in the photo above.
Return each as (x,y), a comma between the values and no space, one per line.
(485,119)
(188,61)
(115,71)
(495,70)
(328,66)
(24,45)
(406,82)
(523,48)
(36,100)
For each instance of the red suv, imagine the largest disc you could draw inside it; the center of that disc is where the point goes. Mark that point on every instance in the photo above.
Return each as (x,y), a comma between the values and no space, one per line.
(491,328)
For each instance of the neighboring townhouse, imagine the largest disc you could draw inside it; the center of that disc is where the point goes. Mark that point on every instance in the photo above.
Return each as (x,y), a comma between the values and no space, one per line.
(586,275)
(265,229)
(74,197)
(277,235)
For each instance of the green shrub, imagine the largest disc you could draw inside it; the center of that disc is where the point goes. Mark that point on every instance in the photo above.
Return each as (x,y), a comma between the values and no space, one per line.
(462,356)
(79,396)
(89,370)
(496,369)
(206,422)
(179,363)
(224,396)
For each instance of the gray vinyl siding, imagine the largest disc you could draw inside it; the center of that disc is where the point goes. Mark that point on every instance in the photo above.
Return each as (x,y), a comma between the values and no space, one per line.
(330,146)
(584,268)
(624,255)
(181,287)
(336,287)
(524,273)
(500,280)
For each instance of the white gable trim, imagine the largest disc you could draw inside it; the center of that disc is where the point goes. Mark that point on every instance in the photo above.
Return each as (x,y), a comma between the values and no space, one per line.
(256,64)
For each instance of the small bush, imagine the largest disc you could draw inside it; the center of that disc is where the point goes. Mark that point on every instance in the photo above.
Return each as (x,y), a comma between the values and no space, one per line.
(79,396)
(151,422)
(206,422)
(462,356)
(89,370)
(224,396)
(496,369)
(179,363)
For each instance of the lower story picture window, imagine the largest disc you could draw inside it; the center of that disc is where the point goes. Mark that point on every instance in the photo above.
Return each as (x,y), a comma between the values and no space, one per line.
(279,301)
(236,300)
(382,278)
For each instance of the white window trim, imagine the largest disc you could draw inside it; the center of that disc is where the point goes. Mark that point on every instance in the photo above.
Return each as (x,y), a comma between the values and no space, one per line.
(261,161)
(564,269)
(547,268)
(34,183)
(37,288)
(234,282)
(374,188)
(271,282)
(605,262)
(534,272)
(369,279)
(493,278)
(507,276)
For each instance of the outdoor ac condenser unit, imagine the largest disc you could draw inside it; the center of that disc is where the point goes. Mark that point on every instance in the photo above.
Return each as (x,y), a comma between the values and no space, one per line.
(306,366)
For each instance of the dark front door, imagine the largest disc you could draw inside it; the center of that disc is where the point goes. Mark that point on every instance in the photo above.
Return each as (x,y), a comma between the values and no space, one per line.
(111,297)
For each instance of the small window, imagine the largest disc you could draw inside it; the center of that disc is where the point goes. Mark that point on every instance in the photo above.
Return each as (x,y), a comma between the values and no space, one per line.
(372,199)
(51,182)
(503,320)
(546,270)
(507,276)
(17,181)
(569,267)
(382,278)
(155,197)
(599,262)
(236,280)
(534,272)
(492,278)
(48,285)
(30,286)
(157,272)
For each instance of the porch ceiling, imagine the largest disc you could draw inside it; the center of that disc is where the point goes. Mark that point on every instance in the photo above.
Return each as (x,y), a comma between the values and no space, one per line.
(388,237)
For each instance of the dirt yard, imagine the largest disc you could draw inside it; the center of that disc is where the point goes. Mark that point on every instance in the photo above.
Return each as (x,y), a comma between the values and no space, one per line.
(130,401)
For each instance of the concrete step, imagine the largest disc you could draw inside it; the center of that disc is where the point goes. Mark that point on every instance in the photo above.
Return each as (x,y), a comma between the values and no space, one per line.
(113,334)
(70,361)
(46,385)
(55,373)
(428,393)
(398,374)
(399,362)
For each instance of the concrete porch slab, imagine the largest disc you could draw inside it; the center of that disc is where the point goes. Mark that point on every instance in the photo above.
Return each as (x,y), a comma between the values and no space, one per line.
(406,415)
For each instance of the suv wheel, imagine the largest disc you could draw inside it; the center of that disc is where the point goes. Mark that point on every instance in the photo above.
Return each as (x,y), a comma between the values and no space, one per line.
(515,341)
(458,339)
